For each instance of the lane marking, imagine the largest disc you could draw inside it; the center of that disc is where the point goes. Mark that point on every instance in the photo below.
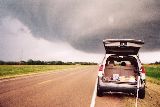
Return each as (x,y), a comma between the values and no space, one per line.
(94,95)
(45,82)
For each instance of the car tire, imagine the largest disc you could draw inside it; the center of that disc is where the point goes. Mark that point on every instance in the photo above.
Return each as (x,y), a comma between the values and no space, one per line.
(141,93)
(99,91)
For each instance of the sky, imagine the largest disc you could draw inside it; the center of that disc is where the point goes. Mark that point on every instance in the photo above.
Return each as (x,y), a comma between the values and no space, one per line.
(73,30)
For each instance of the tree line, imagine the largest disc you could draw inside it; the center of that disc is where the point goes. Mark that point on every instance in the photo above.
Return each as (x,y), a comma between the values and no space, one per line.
(38,62)
(155,63)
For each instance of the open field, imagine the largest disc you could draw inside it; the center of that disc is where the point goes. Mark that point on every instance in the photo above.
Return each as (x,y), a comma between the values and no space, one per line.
(153,71)
(7,71)
(152,89)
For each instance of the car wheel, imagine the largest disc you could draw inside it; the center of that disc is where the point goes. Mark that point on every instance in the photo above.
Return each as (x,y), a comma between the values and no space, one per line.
(99,91)
(141,93)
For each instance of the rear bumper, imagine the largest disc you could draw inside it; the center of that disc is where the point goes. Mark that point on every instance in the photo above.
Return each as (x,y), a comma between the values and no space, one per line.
(114,87)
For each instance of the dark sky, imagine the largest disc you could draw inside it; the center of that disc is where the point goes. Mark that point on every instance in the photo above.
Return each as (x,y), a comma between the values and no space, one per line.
(84,24)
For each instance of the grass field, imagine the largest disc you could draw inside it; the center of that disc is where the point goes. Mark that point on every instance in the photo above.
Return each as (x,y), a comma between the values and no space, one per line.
(152,89)
(153,71)
(7,71)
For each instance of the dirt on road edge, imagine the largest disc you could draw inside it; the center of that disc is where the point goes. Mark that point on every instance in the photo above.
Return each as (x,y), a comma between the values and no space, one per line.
(151,99)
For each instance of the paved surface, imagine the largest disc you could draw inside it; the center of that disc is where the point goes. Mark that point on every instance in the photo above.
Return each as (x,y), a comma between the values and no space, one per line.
(71,88)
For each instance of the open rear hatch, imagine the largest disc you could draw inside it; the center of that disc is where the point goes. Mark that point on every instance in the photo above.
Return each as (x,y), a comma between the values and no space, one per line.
(122,46)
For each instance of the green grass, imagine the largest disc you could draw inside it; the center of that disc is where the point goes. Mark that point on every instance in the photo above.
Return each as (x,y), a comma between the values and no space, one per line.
(153,71)
(7,71)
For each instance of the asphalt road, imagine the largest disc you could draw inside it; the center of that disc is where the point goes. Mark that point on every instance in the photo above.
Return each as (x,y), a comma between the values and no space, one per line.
(67,88)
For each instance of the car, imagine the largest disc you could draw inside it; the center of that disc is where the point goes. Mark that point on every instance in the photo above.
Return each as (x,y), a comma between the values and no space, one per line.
(121,69)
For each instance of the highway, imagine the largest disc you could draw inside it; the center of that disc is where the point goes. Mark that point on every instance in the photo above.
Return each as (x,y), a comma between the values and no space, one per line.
(66,88)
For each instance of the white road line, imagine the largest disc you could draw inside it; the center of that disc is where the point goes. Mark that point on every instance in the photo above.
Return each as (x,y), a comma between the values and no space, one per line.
(94,95)
(44,82)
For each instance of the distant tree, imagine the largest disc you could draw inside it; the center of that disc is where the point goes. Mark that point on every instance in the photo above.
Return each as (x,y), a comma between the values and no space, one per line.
(22,63)
(2,62)
(38,62)
(52,62)
(59,63)
(30,62)
(157,62)
(69,63)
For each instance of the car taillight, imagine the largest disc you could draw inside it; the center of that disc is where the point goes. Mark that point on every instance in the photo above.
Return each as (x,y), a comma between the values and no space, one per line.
(101,68)
(143,70)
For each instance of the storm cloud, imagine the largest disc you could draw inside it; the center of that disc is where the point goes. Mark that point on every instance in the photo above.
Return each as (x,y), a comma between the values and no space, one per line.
(84,24)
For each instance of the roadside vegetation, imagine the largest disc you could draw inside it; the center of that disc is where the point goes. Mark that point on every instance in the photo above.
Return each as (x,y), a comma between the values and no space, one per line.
(7,71)
(153,71)
(15,68)
(38,62)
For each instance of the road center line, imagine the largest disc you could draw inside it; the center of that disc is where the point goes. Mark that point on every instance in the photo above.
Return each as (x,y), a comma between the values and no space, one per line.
(94,95)
(45,82)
